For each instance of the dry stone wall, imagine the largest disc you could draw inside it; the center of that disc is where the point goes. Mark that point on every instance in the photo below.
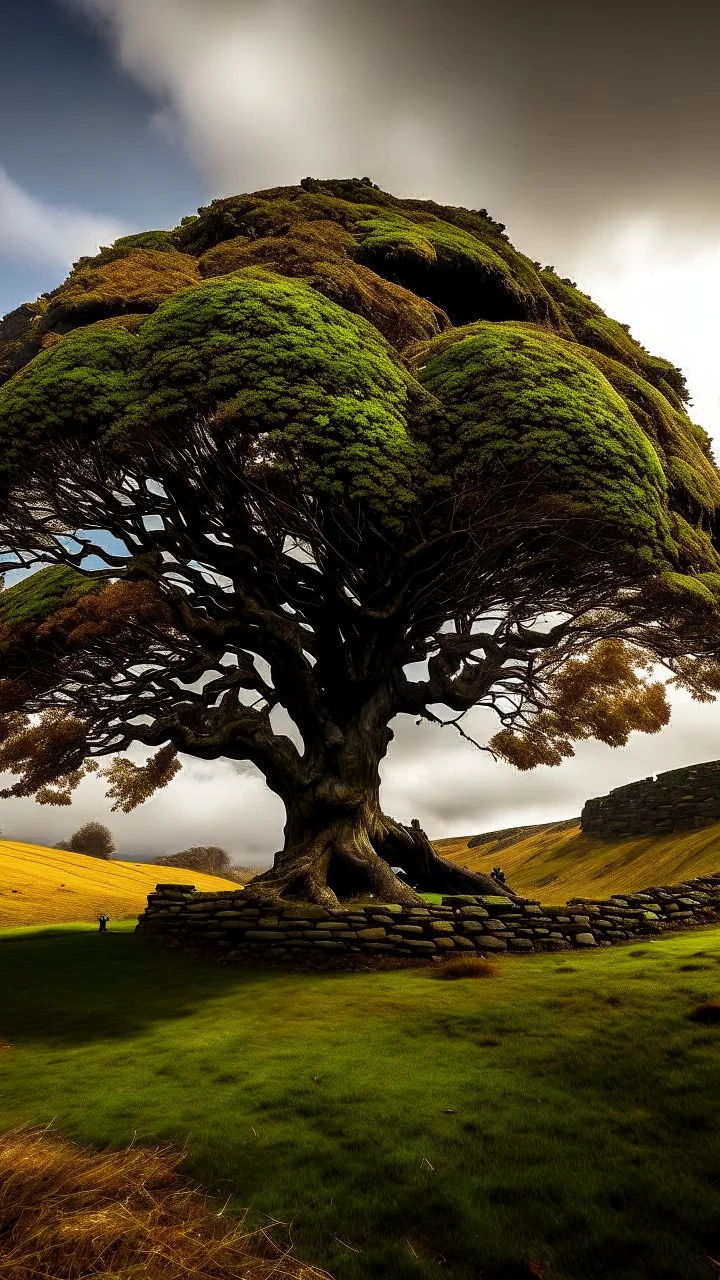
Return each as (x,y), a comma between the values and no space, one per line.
(674,801)
(226,925)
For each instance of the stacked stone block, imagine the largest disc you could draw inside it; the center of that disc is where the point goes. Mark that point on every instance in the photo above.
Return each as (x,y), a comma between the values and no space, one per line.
(678,800)
(226,924)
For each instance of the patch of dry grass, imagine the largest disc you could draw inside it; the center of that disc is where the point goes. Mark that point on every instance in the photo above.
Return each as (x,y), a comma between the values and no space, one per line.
(53,886)
(556,861)
(67,1212)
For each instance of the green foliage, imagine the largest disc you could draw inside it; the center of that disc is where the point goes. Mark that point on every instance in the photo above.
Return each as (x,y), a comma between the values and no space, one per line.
(74,389)
(40,595)
(319,251)
(278,361)
(456,269)
(593,328)
(519,397)
(270,356)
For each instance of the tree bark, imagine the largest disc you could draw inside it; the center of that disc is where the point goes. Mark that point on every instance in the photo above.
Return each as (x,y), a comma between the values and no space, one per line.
(339,844)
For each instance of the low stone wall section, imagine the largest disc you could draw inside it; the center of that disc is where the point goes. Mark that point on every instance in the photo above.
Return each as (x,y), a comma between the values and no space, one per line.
(226,925)
(678,800)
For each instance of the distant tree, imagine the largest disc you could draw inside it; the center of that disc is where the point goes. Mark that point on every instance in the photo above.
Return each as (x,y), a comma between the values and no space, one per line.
(92,838)
(359,459)
(206,858)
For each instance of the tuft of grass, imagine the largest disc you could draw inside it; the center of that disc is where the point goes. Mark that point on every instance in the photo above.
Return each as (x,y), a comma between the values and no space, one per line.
(467,967)
(68,1212)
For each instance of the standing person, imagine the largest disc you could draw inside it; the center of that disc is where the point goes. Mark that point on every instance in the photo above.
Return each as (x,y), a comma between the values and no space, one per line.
(102,923)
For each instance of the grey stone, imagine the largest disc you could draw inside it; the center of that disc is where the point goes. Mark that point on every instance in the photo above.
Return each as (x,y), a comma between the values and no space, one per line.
(585,940)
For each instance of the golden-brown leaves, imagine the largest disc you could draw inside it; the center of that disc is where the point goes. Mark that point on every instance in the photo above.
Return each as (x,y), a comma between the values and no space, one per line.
(47,756)
(319,252)
(138,282)
(131,785)
(604,696)
(121,605)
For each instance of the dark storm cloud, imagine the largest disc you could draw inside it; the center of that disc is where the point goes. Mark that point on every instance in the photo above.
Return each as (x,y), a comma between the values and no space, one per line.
(538,111)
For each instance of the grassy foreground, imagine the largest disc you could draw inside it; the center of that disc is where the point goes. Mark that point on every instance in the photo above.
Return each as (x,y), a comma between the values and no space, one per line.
(49,886)
(562,1113)
(556,861)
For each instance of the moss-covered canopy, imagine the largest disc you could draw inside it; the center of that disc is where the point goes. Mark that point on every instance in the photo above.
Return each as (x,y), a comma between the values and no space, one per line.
(371,345)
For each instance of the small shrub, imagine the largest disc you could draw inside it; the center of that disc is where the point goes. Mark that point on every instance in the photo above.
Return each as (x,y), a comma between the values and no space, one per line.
(209,859)
(93,839)
(468,967)
(708,1013)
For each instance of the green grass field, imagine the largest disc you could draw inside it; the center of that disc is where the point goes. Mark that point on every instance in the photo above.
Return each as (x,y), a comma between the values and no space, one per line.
(563,1112)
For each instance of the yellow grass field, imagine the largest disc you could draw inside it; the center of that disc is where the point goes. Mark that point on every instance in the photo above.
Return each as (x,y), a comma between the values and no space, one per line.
(49,886)
(555,861)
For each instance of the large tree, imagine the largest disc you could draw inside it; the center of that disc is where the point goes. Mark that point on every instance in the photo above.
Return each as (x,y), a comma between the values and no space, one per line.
(328,455)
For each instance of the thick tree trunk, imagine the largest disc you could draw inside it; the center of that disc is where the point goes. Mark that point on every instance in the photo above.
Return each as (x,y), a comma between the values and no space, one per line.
(339,844)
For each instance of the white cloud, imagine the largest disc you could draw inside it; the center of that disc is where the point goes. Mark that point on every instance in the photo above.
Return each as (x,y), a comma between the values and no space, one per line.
(38,233)
(665,286)
(265,93)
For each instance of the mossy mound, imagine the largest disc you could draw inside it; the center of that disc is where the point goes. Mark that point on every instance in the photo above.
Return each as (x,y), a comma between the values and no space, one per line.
(134,282)
(37,597)
(363,336)
(319,252)
(521,396)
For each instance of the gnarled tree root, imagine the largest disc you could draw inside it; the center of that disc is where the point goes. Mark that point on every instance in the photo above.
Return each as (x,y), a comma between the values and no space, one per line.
(355,856)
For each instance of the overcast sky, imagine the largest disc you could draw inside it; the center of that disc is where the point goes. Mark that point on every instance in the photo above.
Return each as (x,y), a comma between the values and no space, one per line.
(593,132)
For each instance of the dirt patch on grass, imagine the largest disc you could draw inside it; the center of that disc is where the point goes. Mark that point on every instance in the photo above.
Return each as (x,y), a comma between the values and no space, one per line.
(467,967)
(708,1013)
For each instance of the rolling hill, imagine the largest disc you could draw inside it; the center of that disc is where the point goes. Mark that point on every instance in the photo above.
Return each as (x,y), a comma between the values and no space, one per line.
(554,861)
(50,886)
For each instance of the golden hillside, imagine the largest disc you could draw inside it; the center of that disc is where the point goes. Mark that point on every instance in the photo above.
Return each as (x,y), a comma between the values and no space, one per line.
(49,886)
(555,861)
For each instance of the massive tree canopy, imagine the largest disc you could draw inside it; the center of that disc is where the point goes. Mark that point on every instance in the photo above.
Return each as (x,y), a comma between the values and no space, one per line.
(324,454)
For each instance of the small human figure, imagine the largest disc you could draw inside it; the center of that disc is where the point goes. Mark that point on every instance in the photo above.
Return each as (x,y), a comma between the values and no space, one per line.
(102,923)
(498,874)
